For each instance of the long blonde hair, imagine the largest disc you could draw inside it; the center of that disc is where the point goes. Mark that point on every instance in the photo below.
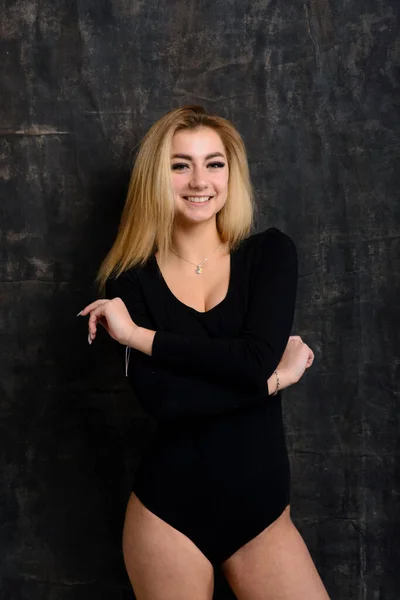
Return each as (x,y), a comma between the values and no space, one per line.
(146,223)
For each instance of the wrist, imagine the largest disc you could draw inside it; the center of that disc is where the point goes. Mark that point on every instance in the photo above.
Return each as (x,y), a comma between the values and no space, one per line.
(284,380)
(141,339)
(132,337)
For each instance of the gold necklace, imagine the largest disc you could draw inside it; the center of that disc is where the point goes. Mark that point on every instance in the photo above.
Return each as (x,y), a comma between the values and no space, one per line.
(199,267)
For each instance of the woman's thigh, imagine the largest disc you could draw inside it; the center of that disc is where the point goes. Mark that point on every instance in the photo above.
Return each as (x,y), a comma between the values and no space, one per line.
(275,565)
(163,563)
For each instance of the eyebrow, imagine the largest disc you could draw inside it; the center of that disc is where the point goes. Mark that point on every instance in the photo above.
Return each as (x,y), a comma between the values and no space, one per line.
(188,157)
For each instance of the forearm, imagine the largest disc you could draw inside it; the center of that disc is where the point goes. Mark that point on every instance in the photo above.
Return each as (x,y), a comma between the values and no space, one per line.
(142,340)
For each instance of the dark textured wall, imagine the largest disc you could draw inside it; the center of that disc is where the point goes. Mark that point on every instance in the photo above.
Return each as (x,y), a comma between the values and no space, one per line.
(313,88)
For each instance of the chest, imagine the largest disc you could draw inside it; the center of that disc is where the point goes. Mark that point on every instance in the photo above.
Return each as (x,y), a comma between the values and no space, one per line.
(203,291)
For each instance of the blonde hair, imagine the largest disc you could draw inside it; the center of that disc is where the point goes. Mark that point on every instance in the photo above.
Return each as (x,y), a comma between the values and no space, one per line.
(146,223)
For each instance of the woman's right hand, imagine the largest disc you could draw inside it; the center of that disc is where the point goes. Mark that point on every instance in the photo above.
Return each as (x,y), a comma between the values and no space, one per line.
(113,316)
(296,358)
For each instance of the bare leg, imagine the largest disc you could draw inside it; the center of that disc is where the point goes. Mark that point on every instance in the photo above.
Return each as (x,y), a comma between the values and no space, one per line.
(162,563)
(275,565)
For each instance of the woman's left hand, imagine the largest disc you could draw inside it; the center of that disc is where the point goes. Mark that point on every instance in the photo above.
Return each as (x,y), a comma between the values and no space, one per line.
(113,316)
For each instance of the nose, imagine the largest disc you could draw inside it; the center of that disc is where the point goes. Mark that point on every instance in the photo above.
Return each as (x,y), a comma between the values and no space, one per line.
(198,179)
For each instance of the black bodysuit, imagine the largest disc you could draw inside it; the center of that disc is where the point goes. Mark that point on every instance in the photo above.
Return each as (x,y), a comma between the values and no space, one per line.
(218,469)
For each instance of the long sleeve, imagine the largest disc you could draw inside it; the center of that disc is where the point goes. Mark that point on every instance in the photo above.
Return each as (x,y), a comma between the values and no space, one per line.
(191,376)
(251,358)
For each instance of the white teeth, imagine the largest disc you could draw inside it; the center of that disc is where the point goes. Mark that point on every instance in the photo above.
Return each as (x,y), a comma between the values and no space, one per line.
(198,200)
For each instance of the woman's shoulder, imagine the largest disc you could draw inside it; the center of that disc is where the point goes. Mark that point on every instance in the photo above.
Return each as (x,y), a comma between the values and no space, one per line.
(271,238)
(131,274)
(126,280)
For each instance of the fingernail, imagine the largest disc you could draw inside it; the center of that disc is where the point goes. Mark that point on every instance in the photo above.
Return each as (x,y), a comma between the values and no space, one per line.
(89,338)
(79,313)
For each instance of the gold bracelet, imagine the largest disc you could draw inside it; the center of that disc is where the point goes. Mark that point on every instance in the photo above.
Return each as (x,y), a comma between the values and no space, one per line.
(277,383)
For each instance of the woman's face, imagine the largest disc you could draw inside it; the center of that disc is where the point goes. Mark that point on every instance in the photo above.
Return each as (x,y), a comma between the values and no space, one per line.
(199,172)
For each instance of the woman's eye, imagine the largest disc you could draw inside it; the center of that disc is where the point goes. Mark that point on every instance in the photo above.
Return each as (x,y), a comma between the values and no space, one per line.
(181,166)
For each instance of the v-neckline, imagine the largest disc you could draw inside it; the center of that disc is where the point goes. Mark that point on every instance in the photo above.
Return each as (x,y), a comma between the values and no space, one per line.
(191,308)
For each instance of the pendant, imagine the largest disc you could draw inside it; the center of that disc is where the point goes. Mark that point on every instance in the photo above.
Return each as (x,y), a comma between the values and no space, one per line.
(199,269)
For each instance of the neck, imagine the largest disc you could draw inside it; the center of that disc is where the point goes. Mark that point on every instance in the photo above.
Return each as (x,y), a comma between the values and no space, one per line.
(195,244)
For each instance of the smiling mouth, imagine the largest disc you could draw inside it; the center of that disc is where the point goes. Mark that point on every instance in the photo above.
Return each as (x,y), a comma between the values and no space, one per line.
(198,199)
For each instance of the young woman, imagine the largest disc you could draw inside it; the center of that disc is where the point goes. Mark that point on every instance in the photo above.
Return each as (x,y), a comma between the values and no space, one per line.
(205,311)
